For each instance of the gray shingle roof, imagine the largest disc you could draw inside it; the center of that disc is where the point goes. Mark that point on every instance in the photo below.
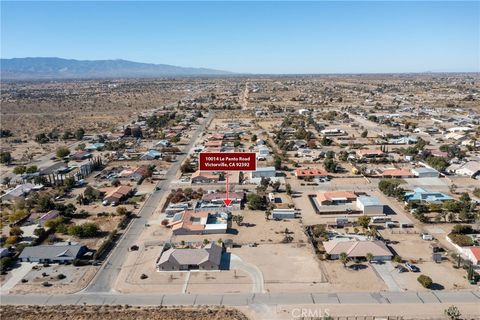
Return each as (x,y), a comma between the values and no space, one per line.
(211,252)
(51,251)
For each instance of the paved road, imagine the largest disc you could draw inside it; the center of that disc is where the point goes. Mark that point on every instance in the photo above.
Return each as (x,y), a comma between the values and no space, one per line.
(106,276)
(430,297)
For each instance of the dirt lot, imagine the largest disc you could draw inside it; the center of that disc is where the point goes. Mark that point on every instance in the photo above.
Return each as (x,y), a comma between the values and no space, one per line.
(347,279)
(285,267)
(411,247)
(254,229)
(76,279)
(143,262)
(118,313)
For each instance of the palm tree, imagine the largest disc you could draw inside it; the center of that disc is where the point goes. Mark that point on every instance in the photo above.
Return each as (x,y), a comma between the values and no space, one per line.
(344,258)
(369,257)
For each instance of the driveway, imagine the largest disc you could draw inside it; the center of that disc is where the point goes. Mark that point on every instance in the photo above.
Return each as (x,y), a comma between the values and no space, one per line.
(257,277)
(16,275)
(384,270)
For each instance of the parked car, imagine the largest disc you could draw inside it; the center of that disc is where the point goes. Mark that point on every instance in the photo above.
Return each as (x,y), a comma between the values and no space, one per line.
(401,269)
(134,248)
(412,267)
(427,237)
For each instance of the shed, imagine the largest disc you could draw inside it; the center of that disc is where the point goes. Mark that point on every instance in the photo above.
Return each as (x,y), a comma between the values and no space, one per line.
(370,205)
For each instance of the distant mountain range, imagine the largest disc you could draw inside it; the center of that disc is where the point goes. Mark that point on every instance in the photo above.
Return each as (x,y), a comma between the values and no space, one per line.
(58,68)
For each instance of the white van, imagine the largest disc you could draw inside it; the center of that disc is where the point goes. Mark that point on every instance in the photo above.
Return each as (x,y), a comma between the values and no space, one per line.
(427,237)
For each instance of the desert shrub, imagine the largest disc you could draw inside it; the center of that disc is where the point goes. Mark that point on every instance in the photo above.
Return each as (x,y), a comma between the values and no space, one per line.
(424,280)
(461,239)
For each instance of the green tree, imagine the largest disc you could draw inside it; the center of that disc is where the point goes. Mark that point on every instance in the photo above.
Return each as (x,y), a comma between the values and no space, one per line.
(364,134)
(31,169)
(19,169)
(62,152)
(39,232)
(277,162)
(44,202)
(75,230)
(438,163)
(121,211)
(5,157)
(41,138)
(364,221)
(344,258)
(79,133)
(256,202)
(288,188)
(5,263)
(16,231)
(89,230)
(330,165)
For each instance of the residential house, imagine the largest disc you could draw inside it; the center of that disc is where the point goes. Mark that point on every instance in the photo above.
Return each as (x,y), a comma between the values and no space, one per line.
(424,172)
(397,173)
(215,199)
(204,177)
(470,169)
(57,253)
(134,174)
(206,258)
(81,155)
(118,194)
(283,214)
(151,155)
(199,222)
(263,152)
(41,218)
(421,195)
(331,198)
(332,132)
(403,140)
(95,146)
(473,254)
(358,249)
(303,173)
(265,172)
(370,153)
(163,143)
(20,191)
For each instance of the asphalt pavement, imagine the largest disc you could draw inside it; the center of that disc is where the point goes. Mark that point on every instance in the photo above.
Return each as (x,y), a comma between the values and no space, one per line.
(153,299)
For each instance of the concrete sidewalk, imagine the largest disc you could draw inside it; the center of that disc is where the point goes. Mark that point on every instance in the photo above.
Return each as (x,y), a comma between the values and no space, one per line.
(17,274)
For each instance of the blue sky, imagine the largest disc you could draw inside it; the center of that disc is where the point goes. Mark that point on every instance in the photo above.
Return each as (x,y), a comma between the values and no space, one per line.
(252,37)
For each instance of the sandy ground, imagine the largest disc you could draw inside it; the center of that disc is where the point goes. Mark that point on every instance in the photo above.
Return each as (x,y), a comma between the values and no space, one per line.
(118,313)
(358,311)
(411,247)
(76,279)
(224,281)
(254,229)
(285,267)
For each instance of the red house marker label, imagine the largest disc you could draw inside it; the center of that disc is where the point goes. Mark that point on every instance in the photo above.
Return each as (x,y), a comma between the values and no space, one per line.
(228,161)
